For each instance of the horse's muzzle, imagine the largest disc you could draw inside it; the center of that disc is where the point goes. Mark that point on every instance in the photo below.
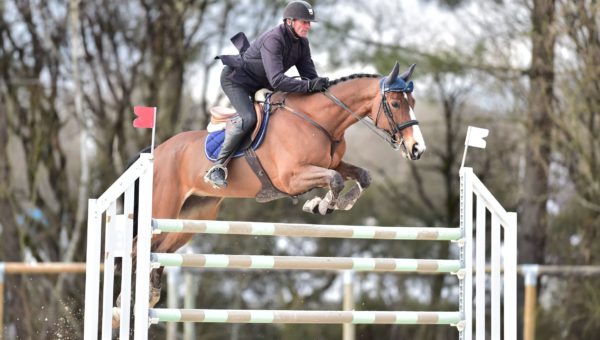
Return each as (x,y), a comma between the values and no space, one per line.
(416,151)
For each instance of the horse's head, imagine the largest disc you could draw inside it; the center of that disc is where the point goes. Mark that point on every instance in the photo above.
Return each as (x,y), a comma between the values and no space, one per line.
(397,106)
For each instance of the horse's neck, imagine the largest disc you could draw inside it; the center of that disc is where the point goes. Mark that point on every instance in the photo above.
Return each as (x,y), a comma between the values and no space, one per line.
(358,96)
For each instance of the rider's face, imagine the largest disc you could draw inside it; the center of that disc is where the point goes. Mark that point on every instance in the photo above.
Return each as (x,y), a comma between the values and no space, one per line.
(301,27)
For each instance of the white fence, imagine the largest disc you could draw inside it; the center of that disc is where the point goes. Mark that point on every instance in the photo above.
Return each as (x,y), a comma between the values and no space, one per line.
(118,229)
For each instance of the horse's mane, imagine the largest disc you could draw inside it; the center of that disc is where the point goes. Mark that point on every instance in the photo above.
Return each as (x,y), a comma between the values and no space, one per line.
(353,76)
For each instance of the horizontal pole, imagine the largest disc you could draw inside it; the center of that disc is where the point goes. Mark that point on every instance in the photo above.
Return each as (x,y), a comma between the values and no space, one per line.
(79,267)
(304,263)
(44,267)
(302,316)
(558,270)
(305,230)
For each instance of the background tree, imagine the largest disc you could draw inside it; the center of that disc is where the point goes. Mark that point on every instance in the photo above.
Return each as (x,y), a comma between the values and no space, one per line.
(525,69)
(575,213)
(135,52)
(539,129)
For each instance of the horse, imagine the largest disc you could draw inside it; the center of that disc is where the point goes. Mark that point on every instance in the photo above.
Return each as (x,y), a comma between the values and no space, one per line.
(303,149)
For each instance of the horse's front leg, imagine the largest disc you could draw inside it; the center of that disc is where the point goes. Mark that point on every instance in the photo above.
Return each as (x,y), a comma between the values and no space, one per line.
(310,177)
(351,172)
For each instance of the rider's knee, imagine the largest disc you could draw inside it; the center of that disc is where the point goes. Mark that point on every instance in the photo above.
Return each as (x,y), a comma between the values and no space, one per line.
(249,122)
(235,123)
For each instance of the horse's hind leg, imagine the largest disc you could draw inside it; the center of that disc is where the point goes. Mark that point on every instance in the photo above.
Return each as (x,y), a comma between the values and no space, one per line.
(335,199)
(363,180)
(311,177)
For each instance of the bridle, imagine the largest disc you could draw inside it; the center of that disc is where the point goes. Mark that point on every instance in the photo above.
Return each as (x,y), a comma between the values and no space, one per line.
(398,85)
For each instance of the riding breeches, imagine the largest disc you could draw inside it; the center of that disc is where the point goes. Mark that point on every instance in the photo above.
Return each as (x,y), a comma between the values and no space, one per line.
(240,99)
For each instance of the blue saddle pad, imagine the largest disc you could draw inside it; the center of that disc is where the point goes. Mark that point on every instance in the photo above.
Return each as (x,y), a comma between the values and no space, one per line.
(214,140)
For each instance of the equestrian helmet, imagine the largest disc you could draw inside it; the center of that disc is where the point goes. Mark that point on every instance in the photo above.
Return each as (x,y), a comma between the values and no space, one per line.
(300,10)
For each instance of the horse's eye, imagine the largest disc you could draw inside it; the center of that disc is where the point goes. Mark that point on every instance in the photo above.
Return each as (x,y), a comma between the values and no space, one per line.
(395,105)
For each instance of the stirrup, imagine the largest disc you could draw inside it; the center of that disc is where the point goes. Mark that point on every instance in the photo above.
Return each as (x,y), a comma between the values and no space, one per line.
(216,184)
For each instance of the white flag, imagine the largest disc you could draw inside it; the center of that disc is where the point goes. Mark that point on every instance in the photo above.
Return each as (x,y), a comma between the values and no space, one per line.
(475,137)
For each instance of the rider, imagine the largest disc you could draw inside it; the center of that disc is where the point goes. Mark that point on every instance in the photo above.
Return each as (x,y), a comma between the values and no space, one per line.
(263,64)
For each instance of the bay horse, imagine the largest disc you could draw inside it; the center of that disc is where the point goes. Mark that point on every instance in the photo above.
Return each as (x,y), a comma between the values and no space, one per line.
(303,149)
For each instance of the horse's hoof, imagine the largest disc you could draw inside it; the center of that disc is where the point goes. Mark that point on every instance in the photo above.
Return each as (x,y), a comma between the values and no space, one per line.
(327,211)
(116,317)
(324,209)
(312,205)
(313,209)
(346,201)
(154,296)
(327,204)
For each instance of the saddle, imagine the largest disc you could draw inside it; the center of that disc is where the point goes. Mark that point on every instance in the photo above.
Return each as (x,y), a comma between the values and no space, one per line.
(218,122)
(219,115)
(216,129)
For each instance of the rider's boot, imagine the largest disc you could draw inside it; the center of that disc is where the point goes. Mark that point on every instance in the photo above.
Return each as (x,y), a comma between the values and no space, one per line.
(234,134)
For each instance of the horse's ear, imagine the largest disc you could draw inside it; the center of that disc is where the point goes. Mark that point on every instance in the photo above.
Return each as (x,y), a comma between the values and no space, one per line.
(393,75)
(408,73)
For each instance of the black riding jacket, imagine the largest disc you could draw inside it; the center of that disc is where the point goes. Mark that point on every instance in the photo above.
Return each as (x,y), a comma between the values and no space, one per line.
(263,63)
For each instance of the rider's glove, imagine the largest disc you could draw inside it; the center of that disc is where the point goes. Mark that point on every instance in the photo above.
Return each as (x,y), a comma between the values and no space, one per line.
(318,84)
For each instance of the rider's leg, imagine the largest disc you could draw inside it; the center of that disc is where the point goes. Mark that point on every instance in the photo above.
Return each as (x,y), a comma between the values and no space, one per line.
(234,134)
(237,128)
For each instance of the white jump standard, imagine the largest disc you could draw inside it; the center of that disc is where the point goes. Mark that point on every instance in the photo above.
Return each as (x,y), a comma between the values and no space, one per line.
(118,229)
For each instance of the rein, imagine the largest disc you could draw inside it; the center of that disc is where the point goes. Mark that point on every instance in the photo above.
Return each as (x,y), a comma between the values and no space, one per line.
(371,126)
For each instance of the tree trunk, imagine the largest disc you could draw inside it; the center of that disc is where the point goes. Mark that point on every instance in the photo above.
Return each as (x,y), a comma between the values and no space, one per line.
(534,218)
(11,247)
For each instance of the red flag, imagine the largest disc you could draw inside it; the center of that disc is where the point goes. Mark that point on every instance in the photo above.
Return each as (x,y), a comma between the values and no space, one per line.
(145,119)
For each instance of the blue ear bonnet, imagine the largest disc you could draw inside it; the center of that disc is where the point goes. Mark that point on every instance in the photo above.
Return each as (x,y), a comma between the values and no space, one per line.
(399,85)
